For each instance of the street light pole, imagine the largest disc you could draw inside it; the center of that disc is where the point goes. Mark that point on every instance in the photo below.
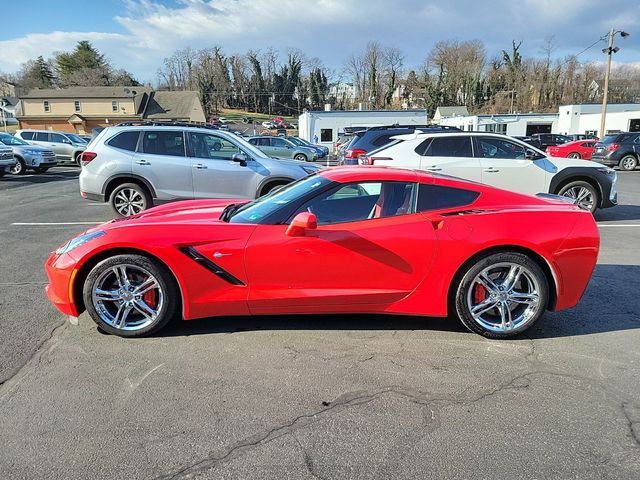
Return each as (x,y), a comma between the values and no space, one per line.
(609,51)
(603,113)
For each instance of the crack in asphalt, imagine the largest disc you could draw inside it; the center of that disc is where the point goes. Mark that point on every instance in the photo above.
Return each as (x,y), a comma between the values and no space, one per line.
(7,385)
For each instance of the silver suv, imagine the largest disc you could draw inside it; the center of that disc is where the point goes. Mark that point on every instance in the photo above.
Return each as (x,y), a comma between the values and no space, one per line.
(133,166)
(66,146)
(7,160)
(28,156)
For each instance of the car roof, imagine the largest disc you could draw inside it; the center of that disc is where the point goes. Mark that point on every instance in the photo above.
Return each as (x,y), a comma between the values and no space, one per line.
(360,173)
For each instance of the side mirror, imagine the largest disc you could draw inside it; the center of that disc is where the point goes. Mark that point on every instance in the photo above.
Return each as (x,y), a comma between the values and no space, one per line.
(531,155)
(301,223)
(240,158)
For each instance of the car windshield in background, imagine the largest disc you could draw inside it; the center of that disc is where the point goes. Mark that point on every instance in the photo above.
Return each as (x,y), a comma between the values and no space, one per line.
(11,140)
(264,206)
(75,138)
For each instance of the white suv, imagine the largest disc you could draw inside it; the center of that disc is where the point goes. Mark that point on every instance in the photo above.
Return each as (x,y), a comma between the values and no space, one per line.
(500,161)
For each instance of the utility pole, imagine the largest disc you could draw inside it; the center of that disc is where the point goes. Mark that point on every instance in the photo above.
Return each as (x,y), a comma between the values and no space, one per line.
(609,51)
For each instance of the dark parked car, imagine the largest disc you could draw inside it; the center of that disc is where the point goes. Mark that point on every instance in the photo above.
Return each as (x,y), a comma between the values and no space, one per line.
(534,142)
(620,149)
(365,141)
(550,139)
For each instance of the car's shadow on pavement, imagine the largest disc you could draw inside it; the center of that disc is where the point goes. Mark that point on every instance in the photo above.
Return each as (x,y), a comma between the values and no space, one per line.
(619,212)
(39,178)
(610,304)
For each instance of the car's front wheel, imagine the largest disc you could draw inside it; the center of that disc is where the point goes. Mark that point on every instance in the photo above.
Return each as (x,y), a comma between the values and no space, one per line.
(501,295)
(130,199)
(582,193)
(301,156)
(130,295)
(19,168)
(628,163)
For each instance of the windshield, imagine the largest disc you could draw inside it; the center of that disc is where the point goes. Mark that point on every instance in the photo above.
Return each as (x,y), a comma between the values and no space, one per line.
(75,138)
(264,206)
(11,140)
(297,141)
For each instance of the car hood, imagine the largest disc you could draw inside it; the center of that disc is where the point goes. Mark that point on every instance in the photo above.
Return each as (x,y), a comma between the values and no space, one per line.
(571,162)
(188,211)
(22,148)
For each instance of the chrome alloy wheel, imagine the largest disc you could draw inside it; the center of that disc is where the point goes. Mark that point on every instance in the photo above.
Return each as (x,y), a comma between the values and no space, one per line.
(504,297)
(581,196)
(128,201)
(127,297)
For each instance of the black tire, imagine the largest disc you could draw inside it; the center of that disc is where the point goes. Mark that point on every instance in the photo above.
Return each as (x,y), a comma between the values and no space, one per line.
(2,172)
(76,159)
(628,163)
(141,199)
(468,281)
(300,156)
(272,186)
(170,295)
(572,189)
(41,169)
(574,155)
(20,167)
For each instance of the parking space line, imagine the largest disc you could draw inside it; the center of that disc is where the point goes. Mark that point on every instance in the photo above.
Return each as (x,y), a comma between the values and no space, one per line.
(600,225)
(29,224)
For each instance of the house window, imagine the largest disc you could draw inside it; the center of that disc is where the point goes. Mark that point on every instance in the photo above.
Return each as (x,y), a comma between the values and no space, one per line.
(326,134)
(76,105)
(114,106)
(46,106)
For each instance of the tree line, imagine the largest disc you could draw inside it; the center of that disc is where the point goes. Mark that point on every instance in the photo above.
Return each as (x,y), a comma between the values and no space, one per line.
(453,73)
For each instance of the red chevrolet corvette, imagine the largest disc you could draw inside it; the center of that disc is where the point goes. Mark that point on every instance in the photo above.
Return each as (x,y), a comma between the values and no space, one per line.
(349,240)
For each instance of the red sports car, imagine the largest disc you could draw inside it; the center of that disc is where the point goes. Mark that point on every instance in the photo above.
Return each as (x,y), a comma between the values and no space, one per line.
(578,149)
(348,240)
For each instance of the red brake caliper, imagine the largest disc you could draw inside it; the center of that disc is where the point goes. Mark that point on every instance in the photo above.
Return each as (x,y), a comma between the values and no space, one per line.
(479,293)
(151,298)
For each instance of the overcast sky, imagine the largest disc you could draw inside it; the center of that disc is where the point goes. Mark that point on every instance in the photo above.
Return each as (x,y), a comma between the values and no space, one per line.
(138,34)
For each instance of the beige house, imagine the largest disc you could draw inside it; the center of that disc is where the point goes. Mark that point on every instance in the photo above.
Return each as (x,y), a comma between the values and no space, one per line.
(80,109)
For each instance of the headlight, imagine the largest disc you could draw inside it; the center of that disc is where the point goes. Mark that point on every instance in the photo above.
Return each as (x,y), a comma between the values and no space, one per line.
(33,152)
(310,170)
(80,240)
(606,170)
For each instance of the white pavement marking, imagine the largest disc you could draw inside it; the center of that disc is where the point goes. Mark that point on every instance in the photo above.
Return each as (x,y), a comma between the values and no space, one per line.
(29,224)
(619,225)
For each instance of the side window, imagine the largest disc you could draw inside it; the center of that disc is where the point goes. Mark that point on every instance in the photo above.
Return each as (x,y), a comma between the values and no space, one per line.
(204,145)
(587,144)
(421,149)
(27,135)
(359,201)
(489,147)
(57,138)
(125,141)
(261,142)
(279,143)
(163,142)
(41,136)
(458,146)
(435,197)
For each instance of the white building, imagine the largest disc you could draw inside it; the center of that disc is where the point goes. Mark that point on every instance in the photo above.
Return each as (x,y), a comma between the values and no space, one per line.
(343,91)
(516,124)
(622,117)
(446,112)
(323,127)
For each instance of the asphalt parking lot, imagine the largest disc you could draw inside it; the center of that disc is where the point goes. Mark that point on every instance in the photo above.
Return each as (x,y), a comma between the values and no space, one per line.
(345,397)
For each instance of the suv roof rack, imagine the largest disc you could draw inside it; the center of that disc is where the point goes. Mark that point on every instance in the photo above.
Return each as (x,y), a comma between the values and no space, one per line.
(416,127)
(152,123)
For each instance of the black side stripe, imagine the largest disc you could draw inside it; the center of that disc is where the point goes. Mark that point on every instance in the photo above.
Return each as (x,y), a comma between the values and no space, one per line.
(209,265)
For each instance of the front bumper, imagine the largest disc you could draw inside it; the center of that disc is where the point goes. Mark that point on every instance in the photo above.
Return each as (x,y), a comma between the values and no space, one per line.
(36,161)
(61,272)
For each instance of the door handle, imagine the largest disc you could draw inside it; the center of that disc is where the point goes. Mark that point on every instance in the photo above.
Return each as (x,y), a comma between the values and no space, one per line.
(433,168)
(142,162)
(491,170)
(200,166)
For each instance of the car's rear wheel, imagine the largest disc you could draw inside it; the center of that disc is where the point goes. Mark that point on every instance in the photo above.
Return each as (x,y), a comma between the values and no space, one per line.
(130,295)
(501,295)
(582,193)
(574,155)
(129,199)
(19,168)
(301,156)
(628,163)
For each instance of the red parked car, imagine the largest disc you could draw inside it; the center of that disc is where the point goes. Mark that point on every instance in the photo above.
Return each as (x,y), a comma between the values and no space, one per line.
(345,240)
(578,149)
